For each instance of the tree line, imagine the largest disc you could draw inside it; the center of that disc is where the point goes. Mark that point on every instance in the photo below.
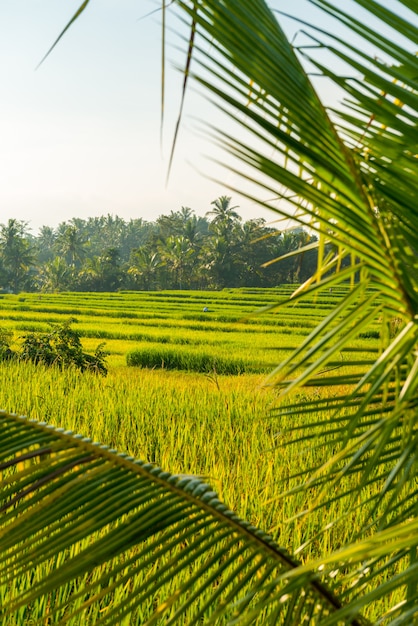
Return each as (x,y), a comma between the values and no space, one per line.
(179,250)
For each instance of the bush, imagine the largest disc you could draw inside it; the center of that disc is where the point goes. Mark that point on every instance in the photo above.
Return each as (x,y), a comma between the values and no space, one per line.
(61,346)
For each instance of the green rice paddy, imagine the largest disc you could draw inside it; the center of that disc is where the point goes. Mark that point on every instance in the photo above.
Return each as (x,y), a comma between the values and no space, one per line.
(171,329)
(184,391)
(185,387)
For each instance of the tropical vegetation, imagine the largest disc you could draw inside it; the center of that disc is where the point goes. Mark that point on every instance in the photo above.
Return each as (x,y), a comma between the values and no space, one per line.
(178,251)
(60,346)
(350,173)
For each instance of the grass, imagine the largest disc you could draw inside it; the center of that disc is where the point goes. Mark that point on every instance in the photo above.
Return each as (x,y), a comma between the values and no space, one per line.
(181,359)
(132,322)
(193,387)
(217,427)
(204,412)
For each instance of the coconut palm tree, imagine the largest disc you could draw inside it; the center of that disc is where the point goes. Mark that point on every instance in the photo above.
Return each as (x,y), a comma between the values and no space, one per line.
(70,244)
(174,224)
(101,273)
(45,244)
(177,255)
(224,216)
(351,172)
(16,254)
(136,234)
(56,275)
(220,263)
(143,267)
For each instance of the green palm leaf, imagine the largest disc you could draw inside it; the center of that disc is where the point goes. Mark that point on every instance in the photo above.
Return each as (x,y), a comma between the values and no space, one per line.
(351,173)
(87,534)
(345,187)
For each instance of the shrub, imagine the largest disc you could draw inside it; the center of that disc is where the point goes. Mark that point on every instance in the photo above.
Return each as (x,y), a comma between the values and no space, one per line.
(61,346)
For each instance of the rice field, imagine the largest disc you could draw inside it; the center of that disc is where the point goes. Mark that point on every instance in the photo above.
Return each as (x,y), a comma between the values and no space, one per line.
(171,330)
(181,413)
(193,415)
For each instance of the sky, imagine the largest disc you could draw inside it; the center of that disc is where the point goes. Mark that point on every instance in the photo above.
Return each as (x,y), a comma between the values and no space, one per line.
(80,135)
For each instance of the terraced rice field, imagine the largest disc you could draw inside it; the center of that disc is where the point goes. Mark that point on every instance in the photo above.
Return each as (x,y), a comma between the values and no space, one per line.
(233,336)
(199,419)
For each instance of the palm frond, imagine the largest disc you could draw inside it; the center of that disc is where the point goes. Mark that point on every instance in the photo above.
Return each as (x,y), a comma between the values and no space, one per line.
(340,176)
(76,15)
(88,534)
(350,173)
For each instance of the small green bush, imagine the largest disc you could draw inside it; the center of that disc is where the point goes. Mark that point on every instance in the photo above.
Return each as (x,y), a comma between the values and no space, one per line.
(61,346)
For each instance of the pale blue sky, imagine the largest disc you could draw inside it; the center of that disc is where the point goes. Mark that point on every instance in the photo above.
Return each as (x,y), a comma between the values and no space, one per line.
(80,136)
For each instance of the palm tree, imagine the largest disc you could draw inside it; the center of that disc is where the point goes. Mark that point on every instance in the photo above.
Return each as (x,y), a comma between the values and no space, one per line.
(192,232)
(70,244)
(56,275)
(112,232)
(224,216)
(143,267)
(45,244)
(111,268)
(352,173)
(256,242)
(16,254)
(177,255)
(136,234)
(220,263)
(174,224)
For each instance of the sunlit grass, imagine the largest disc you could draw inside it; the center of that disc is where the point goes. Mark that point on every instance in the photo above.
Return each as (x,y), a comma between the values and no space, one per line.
(232,329)
(215,426)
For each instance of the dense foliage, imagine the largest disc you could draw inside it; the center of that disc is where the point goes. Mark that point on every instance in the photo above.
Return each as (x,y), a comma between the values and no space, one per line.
(61,347)
(178,251)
